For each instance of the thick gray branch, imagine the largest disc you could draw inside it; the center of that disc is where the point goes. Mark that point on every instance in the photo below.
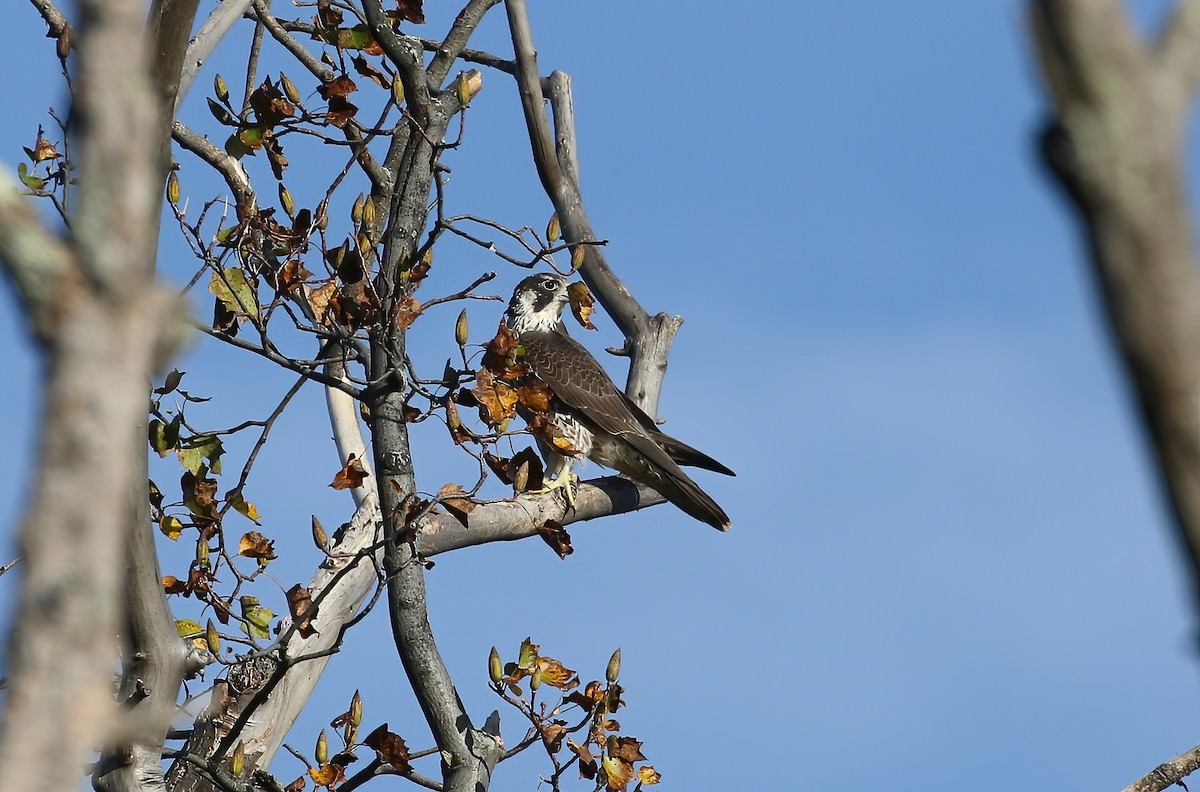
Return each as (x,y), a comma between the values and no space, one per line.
(1179,47)
(154,655)
(647,339)
(219,22)
(1114,142)
(1168,774)
(99,355)
(456,40)
(34,258)
(511,520)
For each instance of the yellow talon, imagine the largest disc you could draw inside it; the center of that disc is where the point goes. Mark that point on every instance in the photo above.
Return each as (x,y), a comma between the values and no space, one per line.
(566,481)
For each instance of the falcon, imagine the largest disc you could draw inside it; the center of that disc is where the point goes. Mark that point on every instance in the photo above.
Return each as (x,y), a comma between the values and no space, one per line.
(595,416)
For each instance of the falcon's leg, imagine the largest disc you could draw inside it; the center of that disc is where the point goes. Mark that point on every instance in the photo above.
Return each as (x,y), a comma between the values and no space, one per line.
(558,475)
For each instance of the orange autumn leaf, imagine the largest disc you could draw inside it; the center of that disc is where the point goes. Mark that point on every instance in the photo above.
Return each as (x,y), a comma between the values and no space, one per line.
(254,545)
(582,304)
(350,476)
(327,774)
(648,775)
(340,86)
(457,502)
(551,672)
(318,301)
(497,401)
(617,773)
(499,355)
(536,395)
(173,585)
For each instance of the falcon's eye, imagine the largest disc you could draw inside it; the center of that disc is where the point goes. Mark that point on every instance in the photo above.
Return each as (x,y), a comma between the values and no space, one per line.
(549,285)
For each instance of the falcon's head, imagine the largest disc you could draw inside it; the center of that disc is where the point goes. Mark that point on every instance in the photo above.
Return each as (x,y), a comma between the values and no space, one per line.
(537,303)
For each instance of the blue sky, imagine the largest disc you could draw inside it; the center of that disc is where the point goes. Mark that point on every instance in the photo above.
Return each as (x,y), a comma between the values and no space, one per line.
(950,564)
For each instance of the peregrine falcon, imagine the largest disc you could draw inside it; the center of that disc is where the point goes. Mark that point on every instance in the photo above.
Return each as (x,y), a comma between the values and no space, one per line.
(593,415)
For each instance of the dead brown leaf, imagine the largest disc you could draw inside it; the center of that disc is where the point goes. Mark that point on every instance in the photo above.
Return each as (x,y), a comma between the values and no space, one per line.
(254,545)
(300,605)
(341,86)
(370,72)
(555,535)
(582,303)
(457,502)
(340,111)
(391,748)
(406,312)
(497,401)
(350,476)
(411,10)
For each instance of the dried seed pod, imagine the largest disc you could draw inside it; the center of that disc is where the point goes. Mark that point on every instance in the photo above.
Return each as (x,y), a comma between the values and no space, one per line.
(289,89)
(461,328)
(320,538)
(613,671)
(220,88)
(495,667)
(322,752)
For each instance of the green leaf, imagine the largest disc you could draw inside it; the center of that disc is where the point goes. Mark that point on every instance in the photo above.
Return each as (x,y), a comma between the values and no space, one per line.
(234,291)
(188,628)
(235,148)
(164,436)
(356,37)
(258,622)
(253,137)
(528,654)
(171,527)
(195,450)
(171,382)
(32,182)
(245,508)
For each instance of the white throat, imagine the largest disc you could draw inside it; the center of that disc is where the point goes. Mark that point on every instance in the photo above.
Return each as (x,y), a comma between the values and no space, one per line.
(526,319)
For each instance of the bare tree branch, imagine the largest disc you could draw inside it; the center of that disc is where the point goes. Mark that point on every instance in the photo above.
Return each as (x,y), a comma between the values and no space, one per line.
(54,19)
(100,352)
(521,518)
(647,339)
(1114,143)
(1179,48)
(298,50)
(272,690)
(232,170)
(1168,774)
(405,55)
(456,40)
(34,258)
(219,22)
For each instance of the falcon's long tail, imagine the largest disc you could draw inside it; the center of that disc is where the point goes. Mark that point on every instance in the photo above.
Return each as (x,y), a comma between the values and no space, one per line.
(687,495)
(684,454)
(655,468)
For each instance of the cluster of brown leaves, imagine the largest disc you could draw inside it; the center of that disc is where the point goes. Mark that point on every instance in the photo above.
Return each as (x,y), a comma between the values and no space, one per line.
(43,153)
(270,107)
(328,771)
(200,509)
(504,385)
(602,755)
